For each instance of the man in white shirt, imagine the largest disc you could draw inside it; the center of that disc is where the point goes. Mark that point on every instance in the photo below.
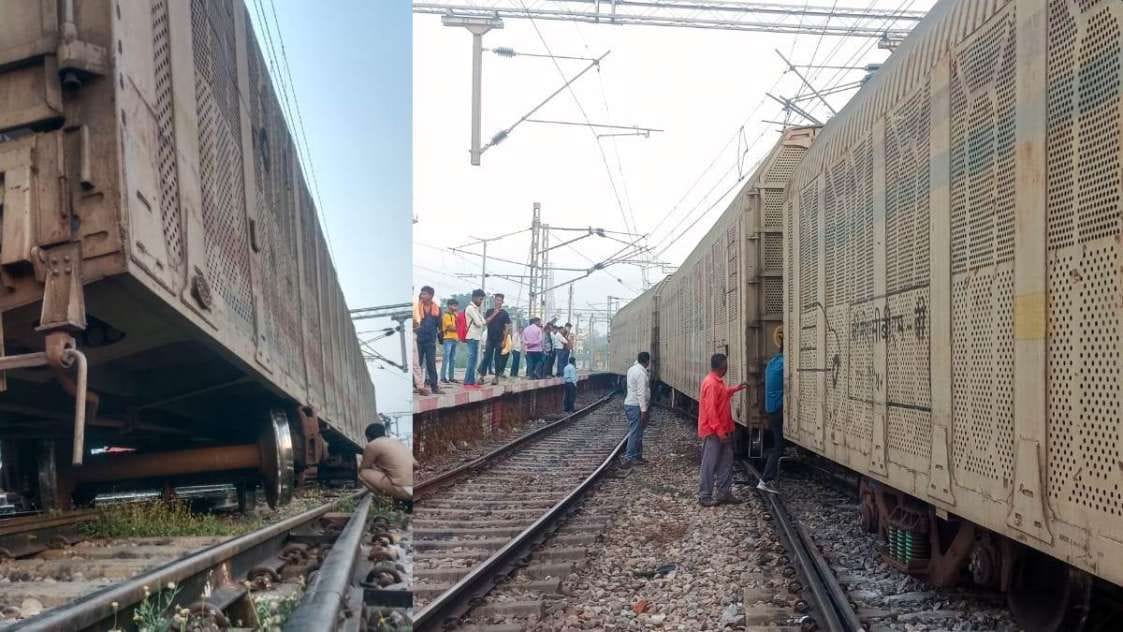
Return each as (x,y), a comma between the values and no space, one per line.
(560,358)
(636,403)
(476,327)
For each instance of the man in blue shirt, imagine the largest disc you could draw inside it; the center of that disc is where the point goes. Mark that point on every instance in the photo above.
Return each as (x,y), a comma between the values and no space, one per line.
(569,376)
(774,406)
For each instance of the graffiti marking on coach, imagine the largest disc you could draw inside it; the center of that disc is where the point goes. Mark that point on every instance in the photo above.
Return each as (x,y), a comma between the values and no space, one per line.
(904,332)
(872,325)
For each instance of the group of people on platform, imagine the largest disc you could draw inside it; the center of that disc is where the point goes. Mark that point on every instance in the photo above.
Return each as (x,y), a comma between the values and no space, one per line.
(491,339)
(715,424)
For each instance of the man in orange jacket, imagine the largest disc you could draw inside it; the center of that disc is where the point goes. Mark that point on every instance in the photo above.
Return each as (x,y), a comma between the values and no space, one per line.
(715,427)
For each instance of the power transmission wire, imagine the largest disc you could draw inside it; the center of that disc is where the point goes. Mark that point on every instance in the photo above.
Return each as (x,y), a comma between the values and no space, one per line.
(311,165)
(615,143)
(717,156)
(585,116)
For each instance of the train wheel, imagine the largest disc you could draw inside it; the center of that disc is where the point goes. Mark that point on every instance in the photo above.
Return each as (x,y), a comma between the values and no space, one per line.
(277,467)
(1047,595)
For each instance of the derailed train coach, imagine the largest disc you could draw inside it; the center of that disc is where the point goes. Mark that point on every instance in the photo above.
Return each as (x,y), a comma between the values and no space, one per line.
(953,301)
(727,297)
(165,287)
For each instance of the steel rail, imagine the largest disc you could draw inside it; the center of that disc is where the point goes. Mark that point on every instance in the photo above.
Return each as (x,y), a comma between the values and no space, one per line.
(434,615)
(320,606)
(830,598)
(190,573)
(503,449)
(35,522)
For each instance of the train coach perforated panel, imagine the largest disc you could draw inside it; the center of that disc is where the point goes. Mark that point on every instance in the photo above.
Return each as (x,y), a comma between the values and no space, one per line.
(1084,284)
(979,355)
(258,245)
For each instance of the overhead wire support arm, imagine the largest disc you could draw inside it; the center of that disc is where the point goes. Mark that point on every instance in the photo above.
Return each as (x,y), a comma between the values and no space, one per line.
(491,257)
(789,105)
(842,87)
(504,133)
(635,129)
(504,51)
(503,236)
(382,311)
(805,82)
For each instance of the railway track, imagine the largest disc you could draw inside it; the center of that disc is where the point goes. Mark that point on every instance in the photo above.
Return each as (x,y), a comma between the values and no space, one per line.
(835,613)
(656,560)
(474,524)
(320,568)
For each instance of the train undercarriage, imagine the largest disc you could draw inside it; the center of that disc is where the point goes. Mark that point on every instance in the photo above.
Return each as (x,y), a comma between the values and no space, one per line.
(90,406)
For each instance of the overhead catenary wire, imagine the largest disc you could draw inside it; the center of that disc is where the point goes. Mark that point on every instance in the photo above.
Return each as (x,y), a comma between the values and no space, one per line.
(860,51)
(232,79)
(733,137)
(615,143)
(673,231)
(311,166)
(585,116)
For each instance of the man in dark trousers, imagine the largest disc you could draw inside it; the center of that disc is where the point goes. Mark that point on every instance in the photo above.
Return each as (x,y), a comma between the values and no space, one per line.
(569,373)
(426,328)
(497,320)
(636,403)
(715,427)
(774,407)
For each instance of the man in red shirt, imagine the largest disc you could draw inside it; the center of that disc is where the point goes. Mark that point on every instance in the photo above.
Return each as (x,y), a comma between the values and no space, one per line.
(715,427)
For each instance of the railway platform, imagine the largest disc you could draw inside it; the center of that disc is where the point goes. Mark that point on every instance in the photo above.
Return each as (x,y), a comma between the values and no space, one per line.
(460,414)
(453,395)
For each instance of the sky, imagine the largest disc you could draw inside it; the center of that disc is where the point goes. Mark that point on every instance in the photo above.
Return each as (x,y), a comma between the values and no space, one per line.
(704,88)
(350,68)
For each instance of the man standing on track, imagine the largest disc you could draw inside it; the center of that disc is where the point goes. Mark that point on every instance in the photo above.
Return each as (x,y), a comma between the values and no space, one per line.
(715,427)
(636,403)
(476,325)
(386,465)
(426,328)
(774,406)
(570,375)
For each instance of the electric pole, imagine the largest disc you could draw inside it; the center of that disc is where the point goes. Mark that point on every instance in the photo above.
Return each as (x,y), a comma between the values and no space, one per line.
(537,283)
(477,26)
(569,311)
(483,273)
(547,274)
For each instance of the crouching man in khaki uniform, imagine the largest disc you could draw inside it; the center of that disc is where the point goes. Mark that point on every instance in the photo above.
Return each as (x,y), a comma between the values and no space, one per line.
(387,465)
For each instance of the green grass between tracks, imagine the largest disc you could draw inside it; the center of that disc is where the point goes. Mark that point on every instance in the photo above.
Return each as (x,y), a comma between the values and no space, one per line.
(163,519)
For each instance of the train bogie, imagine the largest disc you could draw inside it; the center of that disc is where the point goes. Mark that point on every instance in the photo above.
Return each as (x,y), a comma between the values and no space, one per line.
(157,225)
